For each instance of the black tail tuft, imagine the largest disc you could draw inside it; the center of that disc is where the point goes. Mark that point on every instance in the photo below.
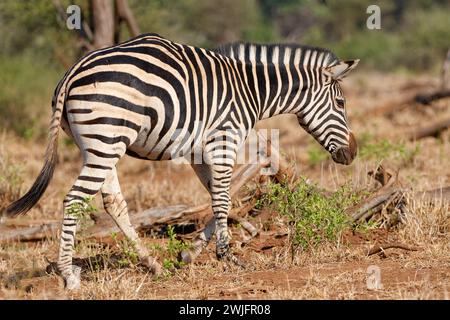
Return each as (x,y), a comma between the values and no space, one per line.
(26,202)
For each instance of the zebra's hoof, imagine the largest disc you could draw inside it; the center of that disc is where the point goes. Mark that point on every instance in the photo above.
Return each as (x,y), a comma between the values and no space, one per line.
(186,256)
(231,258)
(152,265)
(72,282)
(228,256)
(76,271)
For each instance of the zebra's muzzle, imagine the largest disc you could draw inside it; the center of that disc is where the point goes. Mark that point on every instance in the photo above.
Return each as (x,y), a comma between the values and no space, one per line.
(345,155)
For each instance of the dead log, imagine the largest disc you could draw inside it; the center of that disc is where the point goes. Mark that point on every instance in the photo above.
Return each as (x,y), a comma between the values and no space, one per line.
(435,195)
(375,203)
(372,204)
(33,233)
(390,107)
(26,222)
(144,220)
(398,104)
(377,248)
(237,215)
(102,231)
(430,97)
(429,131)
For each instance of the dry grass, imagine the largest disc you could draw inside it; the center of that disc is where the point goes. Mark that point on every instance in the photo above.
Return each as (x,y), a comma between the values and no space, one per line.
(330,271)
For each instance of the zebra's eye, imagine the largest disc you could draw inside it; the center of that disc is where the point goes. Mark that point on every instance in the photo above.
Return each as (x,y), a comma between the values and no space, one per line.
(340,102)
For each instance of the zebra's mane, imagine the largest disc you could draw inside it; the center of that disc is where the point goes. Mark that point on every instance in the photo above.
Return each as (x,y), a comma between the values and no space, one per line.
(236,49)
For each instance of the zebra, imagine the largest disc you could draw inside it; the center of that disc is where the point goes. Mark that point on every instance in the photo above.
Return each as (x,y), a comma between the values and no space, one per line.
(154,99)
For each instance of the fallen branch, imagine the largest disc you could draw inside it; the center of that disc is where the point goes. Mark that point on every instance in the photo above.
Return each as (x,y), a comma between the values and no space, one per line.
(389,189)
(440,194)
(398,104)
(237,215)
(142,221)
(372,205)
(34,233)
(390,107)
(377,248)
(430,131)
(430,97)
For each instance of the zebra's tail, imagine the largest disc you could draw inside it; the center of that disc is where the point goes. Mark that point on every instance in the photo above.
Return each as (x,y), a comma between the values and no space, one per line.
(27,201)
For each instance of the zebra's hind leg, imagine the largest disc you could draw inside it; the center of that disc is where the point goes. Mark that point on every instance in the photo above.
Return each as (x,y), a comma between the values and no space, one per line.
(75,206)
(116,206)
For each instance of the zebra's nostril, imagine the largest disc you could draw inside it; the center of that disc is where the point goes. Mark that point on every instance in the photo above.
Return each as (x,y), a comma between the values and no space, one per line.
(343,156)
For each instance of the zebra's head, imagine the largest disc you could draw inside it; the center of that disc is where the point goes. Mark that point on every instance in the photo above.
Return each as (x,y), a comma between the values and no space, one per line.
(325,117)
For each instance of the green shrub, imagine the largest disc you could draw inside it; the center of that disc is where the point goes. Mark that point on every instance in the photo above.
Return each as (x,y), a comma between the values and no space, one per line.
(314,216)
(170,252)
(82,211)
(129,255)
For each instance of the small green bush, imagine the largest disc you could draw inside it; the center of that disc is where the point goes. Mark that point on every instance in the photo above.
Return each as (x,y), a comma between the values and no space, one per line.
(82,211)
(314,216)
(129,255)
(170,253)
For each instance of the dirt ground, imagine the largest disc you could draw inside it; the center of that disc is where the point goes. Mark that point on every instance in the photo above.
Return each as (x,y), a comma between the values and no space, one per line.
(329,271)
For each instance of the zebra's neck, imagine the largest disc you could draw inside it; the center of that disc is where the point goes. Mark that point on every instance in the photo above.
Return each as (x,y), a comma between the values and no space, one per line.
(279,79)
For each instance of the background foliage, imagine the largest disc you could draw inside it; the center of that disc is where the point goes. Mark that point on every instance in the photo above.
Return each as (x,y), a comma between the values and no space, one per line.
(36,47)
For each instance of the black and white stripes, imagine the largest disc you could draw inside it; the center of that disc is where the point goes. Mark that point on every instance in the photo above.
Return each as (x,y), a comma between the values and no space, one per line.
(155,99)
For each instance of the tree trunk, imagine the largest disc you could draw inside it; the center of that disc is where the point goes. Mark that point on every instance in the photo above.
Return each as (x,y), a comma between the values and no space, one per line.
(103,22)
(124,13)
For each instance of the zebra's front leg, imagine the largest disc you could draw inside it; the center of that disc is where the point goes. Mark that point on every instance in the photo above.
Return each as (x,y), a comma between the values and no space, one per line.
(220,197)
(204,173)
(116,206)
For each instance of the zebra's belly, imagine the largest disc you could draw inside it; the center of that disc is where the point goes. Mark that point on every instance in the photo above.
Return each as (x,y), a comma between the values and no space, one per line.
(151,146)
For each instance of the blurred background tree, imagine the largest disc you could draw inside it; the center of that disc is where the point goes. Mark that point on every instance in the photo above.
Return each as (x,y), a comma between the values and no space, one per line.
(36,47)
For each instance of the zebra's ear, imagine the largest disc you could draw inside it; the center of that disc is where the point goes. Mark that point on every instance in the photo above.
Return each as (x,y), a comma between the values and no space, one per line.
(341,69)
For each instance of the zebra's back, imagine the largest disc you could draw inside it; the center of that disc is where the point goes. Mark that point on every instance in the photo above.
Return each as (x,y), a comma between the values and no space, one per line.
(153,96)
